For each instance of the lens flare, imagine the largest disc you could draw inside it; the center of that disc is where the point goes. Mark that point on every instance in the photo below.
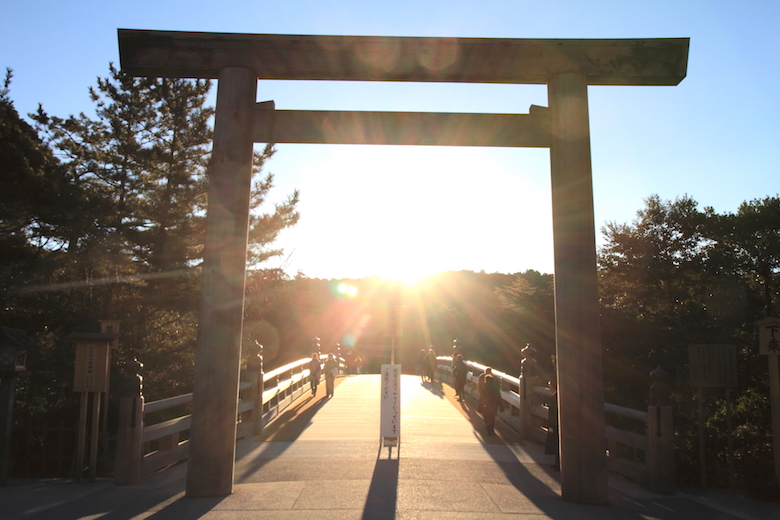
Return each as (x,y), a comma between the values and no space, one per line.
(343,290)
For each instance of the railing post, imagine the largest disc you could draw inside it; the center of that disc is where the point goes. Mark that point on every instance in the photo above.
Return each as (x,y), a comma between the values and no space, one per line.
(254,366)
(528,376)
(660,435)
(131,427)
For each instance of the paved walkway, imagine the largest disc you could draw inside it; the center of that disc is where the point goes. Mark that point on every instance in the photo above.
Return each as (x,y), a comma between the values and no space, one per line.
(323,460)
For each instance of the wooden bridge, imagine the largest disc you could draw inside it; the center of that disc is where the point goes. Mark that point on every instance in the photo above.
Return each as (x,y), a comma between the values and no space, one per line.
(274,407)
(322,458)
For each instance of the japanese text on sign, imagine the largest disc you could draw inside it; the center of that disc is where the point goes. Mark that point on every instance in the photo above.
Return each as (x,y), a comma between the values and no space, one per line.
(390,411)
(712,365)
(769,337)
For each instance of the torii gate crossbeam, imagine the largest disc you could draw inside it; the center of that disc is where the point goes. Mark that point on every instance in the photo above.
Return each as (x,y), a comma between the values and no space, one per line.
(567,67)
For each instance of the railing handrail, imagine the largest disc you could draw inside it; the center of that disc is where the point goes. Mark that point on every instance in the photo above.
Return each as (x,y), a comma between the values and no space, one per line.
(628,413)
(481,368)
(622,411)
(178,400)
(167,403)
(286,368)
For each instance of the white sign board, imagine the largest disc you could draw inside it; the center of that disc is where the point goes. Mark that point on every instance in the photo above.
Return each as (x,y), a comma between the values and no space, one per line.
(390,418)
(769,337)
(712,365)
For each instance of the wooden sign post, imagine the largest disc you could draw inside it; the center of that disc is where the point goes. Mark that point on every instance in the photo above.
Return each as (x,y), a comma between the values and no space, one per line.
(394,326)
(390,406)
(713,366)
(13,360)
(90,377)
(769,346)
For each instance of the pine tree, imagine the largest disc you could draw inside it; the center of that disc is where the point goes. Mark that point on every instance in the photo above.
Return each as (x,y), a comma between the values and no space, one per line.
(142,165)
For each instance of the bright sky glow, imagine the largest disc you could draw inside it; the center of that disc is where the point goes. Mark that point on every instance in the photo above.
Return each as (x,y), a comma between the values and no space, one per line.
(407,212)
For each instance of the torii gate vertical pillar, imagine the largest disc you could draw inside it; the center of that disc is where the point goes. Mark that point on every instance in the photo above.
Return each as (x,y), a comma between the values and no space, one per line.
(578,335)
(218,351)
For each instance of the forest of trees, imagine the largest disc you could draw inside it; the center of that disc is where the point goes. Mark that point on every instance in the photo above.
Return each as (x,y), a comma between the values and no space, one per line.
(102,218)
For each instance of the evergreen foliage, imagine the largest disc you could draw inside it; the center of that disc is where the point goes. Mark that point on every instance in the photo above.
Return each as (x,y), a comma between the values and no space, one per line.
(103,218)
(679,276)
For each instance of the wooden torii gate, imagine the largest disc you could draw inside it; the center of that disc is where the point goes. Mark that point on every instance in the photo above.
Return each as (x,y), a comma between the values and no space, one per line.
(566,66)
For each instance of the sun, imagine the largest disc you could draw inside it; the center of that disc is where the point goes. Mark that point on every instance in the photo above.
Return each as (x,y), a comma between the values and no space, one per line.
(406,274)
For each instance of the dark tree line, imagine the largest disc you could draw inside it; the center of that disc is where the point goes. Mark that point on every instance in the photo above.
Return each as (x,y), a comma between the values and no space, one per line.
(102,217)
(678,276)
(492,315)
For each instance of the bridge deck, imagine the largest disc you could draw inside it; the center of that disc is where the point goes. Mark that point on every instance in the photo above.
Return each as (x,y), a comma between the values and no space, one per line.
(322,459)
(443,462)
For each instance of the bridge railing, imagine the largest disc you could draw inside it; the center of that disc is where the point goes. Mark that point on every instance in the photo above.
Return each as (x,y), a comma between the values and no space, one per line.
(639,444)
(145,446)
(643,451)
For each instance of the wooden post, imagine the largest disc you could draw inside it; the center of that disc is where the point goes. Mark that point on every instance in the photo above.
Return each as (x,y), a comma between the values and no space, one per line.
(254,366)
(774,402)
(529,369)
(730,431)
(660,454)
(129,442)
(257,395)
(95,432)
(769,346)
(660,435)
(218,350)
(7,385)
(82,435)
(702,451)
(578,337)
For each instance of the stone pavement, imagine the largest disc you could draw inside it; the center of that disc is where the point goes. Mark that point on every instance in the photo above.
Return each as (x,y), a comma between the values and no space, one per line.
(323,460)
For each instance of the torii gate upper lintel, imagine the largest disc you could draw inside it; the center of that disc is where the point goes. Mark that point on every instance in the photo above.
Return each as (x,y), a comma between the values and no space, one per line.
(566,66)
(648,61)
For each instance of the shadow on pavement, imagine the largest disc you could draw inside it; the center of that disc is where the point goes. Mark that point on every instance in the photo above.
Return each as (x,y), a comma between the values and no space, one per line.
(383,493)
(539,484)
(121,503)
(287,428)
(434,387)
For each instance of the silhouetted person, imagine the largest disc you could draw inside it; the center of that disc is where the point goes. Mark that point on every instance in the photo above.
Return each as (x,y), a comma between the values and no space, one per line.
(481,379)
(490,403)
(331,370)
(315,372)
(460,373)
(422,366)
(430,361)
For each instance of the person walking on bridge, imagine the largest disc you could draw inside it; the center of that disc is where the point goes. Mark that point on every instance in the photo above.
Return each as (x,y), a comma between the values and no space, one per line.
(481,379)
(460,375)
(331,369)
(430,362)
(315,372)
(490,403)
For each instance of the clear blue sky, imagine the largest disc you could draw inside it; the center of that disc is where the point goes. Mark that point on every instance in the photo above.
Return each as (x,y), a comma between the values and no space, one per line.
(413,211)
